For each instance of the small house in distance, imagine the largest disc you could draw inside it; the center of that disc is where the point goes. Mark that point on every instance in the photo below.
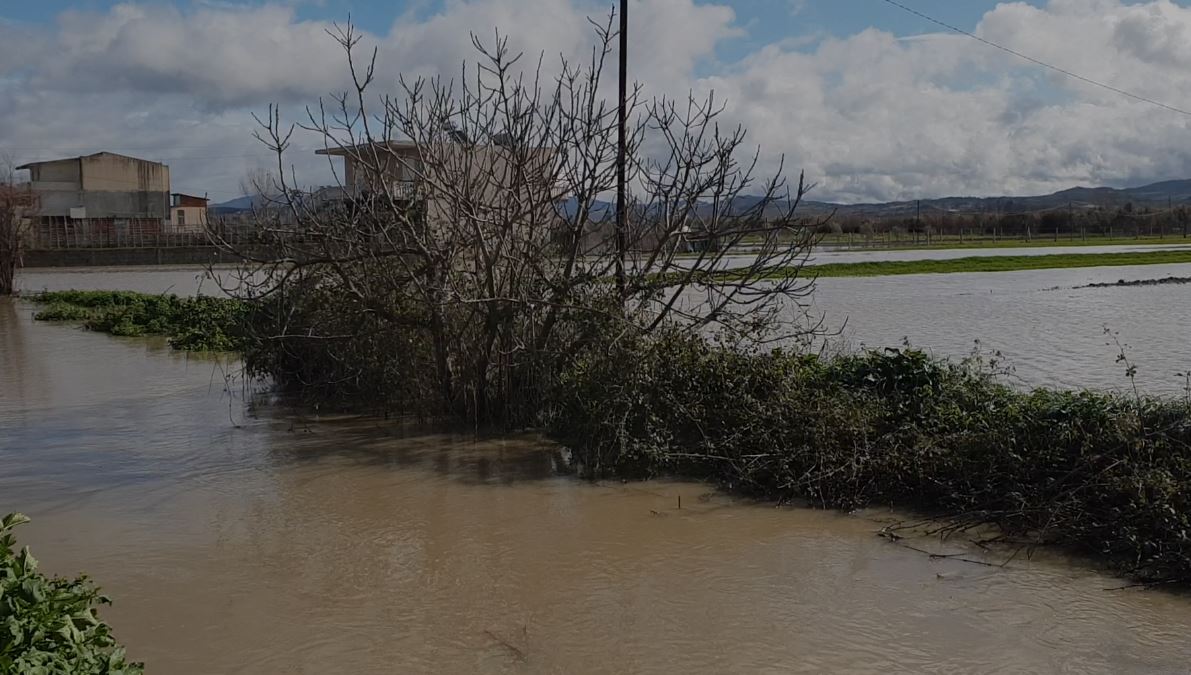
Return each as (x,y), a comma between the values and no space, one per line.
(188,213)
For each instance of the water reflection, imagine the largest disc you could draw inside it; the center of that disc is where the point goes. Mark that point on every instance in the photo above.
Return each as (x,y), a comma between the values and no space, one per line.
(371,443)
(23,377)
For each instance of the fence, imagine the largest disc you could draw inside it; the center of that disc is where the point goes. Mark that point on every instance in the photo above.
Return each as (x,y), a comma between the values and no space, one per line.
(50,234)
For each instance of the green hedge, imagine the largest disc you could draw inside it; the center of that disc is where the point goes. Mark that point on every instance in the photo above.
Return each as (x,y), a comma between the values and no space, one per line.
(1103,474)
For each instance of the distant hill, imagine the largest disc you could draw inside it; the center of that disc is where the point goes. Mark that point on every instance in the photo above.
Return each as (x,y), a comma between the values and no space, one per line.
(237,205)
(1155,195)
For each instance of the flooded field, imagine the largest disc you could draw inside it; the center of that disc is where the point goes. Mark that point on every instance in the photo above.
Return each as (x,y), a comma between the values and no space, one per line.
(828,255)
(248,538)
(1051,332)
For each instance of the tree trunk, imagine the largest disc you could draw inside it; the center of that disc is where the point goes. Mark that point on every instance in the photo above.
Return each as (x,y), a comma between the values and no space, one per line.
(10,252)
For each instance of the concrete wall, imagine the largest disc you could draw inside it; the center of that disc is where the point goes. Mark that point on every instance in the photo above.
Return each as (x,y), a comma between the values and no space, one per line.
(187,219)
(112,257)
(395,168)
(118,186)
(126,204)
(58,185)
(57,203)
(62,171)
(115,173)
(485,170)
(488,176)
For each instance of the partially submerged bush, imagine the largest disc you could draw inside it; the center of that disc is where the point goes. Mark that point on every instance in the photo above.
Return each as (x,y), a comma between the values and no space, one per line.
(389,353)
(193,324)
(328,350)
(49,625)
(1099,473)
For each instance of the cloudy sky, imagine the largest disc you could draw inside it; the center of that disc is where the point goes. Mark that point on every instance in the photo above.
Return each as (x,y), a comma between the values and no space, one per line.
(873,102)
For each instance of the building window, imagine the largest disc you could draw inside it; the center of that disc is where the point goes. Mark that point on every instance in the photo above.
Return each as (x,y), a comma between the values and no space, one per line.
(181,217)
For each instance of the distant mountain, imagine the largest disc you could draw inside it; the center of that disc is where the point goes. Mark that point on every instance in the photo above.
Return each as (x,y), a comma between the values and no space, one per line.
(1155,195)
(237,205)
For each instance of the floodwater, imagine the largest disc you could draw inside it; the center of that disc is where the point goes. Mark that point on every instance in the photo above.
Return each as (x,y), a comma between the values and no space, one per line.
(827,255)
(1049,331)
(182,280)
(247,538)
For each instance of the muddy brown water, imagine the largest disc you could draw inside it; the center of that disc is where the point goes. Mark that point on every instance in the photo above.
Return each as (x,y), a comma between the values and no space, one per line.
(239,536)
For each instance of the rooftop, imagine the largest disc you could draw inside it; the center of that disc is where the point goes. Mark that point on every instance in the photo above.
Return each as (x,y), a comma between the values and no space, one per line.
(30,165)
(346,150)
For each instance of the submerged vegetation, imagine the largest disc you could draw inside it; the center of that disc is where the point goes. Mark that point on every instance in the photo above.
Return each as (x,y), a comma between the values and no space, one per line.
(1122,283)
(193,324)
(49,625)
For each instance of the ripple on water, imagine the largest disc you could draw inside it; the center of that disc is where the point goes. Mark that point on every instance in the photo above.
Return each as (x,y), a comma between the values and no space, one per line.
(266,544)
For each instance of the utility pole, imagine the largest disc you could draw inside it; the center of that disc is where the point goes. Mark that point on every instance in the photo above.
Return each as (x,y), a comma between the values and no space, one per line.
(622,155)
(917,220)
(1169,217)
(997,221)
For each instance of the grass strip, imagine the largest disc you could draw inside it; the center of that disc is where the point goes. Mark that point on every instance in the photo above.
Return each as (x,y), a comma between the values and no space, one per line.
(953,242)
(1013,263)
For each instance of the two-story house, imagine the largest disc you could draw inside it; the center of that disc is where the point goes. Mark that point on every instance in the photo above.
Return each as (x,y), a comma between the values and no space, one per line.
(99,199)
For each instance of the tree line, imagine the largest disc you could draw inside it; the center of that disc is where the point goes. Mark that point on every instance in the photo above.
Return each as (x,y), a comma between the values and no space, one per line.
(1126,221)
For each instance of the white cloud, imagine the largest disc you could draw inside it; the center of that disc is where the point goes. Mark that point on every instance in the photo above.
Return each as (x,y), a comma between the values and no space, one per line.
(874,117)
(869,116)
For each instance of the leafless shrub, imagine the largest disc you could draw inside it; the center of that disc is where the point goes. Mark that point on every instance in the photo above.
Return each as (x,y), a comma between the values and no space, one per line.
(469,219)
(17,207)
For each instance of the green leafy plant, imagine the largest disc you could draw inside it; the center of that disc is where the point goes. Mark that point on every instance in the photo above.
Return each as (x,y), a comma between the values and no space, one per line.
(199,324)
(62,311)
(49,626)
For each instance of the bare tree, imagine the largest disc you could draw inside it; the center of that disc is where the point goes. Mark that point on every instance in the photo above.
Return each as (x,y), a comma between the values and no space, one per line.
(469,219)
(17,206)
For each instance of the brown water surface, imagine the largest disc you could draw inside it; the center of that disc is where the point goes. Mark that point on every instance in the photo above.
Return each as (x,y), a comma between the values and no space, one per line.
(247,538)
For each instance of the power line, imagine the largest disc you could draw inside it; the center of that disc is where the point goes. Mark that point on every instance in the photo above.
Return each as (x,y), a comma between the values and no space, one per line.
(1035,61)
